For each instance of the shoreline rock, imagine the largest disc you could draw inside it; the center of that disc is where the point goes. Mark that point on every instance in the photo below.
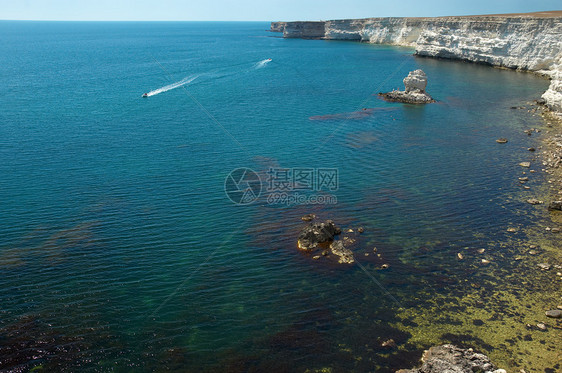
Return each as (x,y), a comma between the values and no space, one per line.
(449,358)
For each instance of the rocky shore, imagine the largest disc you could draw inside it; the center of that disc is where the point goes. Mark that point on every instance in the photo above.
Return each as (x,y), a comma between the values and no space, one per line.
(527,42)
(449,358)
(550,158)
(530,42)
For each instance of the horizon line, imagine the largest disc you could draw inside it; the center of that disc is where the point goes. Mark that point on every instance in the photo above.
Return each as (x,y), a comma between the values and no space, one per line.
(126,20)
(308,20)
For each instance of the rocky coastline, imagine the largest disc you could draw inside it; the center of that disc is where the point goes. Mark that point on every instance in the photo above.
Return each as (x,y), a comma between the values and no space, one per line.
(529,42)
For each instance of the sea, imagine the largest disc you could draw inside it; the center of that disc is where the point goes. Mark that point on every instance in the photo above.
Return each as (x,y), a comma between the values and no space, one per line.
(160,233)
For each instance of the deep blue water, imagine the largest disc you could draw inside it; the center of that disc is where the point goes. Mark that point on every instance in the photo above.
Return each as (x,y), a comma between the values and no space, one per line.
(120,250)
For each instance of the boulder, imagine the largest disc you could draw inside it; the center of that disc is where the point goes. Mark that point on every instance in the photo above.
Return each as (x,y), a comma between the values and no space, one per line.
(317,235)
(555,205)
(452,359)
(555,314)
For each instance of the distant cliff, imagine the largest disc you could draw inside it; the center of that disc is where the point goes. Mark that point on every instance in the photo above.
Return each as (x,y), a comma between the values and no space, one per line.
(531,41)
(278,26)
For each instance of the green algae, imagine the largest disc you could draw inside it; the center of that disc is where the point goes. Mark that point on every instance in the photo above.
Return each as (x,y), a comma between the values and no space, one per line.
(497,310)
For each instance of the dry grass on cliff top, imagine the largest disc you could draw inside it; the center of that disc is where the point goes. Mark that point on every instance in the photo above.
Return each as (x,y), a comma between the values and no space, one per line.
(546,14)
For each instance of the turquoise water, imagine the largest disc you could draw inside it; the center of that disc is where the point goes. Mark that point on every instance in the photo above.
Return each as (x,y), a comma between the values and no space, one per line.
(120,251)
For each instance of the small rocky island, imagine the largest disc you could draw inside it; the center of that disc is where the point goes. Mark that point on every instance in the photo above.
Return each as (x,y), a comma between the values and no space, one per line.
(321,236)
(415,93)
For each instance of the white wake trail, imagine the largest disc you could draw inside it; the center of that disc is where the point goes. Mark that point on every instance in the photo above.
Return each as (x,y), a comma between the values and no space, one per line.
(262,64)
(175,85)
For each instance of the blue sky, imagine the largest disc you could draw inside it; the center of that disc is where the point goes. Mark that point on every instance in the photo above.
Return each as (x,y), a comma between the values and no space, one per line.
(253,10)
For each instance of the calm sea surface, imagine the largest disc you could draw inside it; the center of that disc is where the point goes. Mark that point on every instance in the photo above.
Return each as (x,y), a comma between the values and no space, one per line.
(120,251)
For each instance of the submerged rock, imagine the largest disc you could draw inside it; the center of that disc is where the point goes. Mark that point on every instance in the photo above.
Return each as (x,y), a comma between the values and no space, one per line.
(452,359)
(501,141)
(555,205)
(317,234)
(555,314)
(415,93)
(390,343)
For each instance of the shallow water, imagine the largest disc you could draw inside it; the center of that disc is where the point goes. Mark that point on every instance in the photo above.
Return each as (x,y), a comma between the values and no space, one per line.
(119,247)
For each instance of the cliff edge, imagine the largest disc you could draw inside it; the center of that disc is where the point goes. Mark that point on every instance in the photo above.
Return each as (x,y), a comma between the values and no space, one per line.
(529,41)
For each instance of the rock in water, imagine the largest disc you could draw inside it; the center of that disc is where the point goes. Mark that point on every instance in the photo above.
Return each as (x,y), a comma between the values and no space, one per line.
(308,217)
(555,314)
(316,234)
(415,84)
(555,205)
(449,358)
(339,249)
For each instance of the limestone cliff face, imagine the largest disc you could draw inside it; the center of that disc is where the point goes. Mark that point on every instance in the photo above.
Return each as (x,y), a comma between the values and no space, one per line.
(304,30)
(527,42)
(394,31)
(553,96)
(533,44)
(517,43)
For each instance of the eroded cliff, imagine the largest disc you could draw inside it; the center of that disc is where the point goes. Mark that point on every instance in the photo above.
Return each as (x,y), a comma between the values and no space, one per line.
(530,41)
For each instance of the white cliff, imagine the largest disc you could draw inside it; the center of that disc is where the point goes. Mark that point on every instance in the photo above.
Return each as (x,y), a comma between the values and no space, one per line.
(393,30)
(523,43)
(516,43)
(553,96)
(531,42)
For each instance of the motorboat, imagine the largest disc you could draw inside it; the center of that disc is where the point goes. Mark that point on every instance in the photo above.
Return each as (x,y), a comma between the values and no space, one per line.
(145,95)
